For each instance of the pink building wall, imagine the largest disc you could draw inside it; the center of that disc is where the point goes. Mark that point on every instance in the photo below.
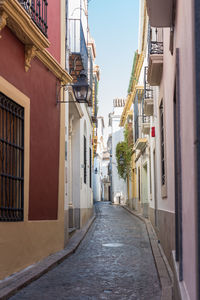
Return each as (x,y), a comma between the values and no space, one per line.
(184,40)
(54,28)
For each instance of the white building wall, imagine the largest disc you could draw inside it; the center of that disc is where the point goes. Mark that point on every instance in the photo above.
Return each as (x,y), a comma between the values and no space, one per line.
(97,191)
(119,186)
(97,179)
(76,164)
(79,194)
(86,194)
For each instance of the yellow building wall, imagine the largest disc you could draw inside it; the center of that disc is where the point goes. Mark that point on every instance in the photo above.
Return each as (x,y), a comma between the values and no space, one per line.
(24,243)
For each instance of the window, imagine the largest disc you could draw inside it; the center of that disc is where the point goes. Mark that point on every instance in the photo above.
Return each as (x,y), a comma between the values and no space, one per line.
(11,160)
(163,179)
(85,161)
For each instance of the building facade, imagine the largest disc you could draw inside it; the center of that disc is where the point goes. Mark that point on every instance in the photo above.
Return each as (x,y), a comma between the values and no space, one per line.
(118,185)
(165,131)
(173,71)
(81,125)
(98,159)
(32,143)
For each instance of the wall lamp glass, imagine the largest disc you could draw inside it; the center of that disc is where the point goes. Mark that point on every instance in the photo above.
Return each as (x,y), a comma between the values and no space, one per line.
(81,90)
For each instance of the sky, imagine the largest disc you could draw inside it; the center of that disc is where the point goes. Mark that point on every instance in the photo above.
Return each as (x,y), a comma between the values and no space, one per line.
(114,26)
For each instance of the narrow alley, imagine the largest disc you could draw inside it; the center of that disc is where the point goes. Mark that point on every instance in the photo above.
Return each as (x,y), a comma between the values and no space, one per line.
(99,149)
(114,261)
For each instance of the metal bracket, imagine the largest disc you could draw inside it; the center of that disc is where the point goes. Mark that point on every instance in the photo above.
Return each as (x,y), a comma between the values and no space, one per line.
(61,88)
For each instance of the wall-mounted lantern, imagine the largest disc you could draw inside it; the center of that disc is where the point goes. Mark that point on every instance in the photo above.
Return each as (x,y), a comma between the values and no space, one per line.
(121,160)
(81,90)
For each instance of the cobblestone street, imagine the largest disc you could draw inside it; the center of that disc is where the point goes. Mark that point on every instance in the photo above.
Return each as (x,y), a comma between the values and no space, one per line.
(113,262)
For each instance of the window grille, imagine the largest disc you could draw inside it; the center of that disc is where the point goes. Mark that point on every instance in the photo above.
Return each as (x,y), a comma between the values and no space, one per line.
(85,161)
(11,160)
(150,174)
(90,168)
(162,143)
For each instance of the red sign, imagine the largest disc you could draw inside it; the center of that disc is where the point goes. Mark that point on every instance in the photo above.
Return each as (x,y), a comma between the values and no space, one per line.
(153,134)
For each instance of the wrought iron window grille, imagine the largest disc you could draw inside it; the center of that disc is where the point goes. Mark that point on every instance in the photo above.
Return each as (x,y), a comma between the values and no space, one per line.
(90,167)
(37,9)
(148,90)
(162,144)
(136,128)
(85,161)
(11,160)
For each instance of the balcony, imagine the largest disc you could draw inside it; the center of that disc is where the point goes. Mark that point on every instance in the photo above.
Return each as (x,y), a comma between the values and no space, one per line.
(78,48)
(95,138)
(148,96)
(37,9)
(140,144)
(145,124)
(160,12)
(155,66)
(94,119)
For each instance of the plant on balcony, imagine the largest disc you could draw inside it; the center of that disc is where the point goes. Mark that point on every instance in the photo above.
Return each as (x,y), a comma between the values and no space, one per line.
(124,153)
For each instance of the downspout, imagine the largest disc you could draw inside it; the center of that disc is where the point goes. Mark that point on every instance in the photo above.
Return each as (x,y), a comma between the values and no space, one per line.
(197,142)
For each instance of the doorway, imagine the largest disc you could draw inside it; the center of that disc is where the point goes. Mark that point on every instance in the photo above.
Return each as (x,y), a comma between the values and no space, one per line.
(178,173)
(145,203)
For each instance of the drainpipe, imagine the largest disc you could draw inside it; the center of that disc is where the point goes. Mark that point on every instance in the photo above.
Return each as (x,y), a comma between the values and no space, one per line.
(197,144)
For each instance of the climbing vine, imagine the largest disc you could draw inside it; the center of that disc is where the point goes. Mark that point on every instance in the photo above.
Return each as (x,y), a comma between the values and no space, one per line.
(124,152)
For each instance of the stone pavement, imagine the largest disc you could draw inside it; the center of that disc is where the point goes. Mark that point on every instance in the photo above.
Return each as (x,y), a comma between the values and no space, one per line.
(114,261)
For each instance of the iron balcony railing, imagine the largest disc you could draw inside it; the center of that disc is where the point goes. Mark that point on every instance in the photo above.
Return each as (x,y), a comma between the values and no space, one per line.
(77,41)
(156,47)
(139,120)
(155,41)
(145,119)
(37,9)
(148,90)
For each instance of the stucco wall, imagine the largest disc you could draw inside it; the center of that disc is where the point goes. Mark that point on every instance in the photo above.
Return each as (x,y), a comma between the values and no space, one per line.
(40,86)
(86,194)
(24,243)
(119,187)
(54,28)
(184,41)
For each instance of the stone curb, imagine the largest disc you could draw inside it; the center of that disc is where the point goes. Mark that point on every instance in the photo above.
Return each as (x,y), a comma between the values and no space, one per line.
(12,284)
(165,273)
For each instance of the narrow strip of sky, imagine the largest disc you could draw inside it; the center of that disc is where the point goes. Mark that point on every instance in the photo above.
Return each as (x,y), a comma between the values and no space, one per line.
(114,27)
